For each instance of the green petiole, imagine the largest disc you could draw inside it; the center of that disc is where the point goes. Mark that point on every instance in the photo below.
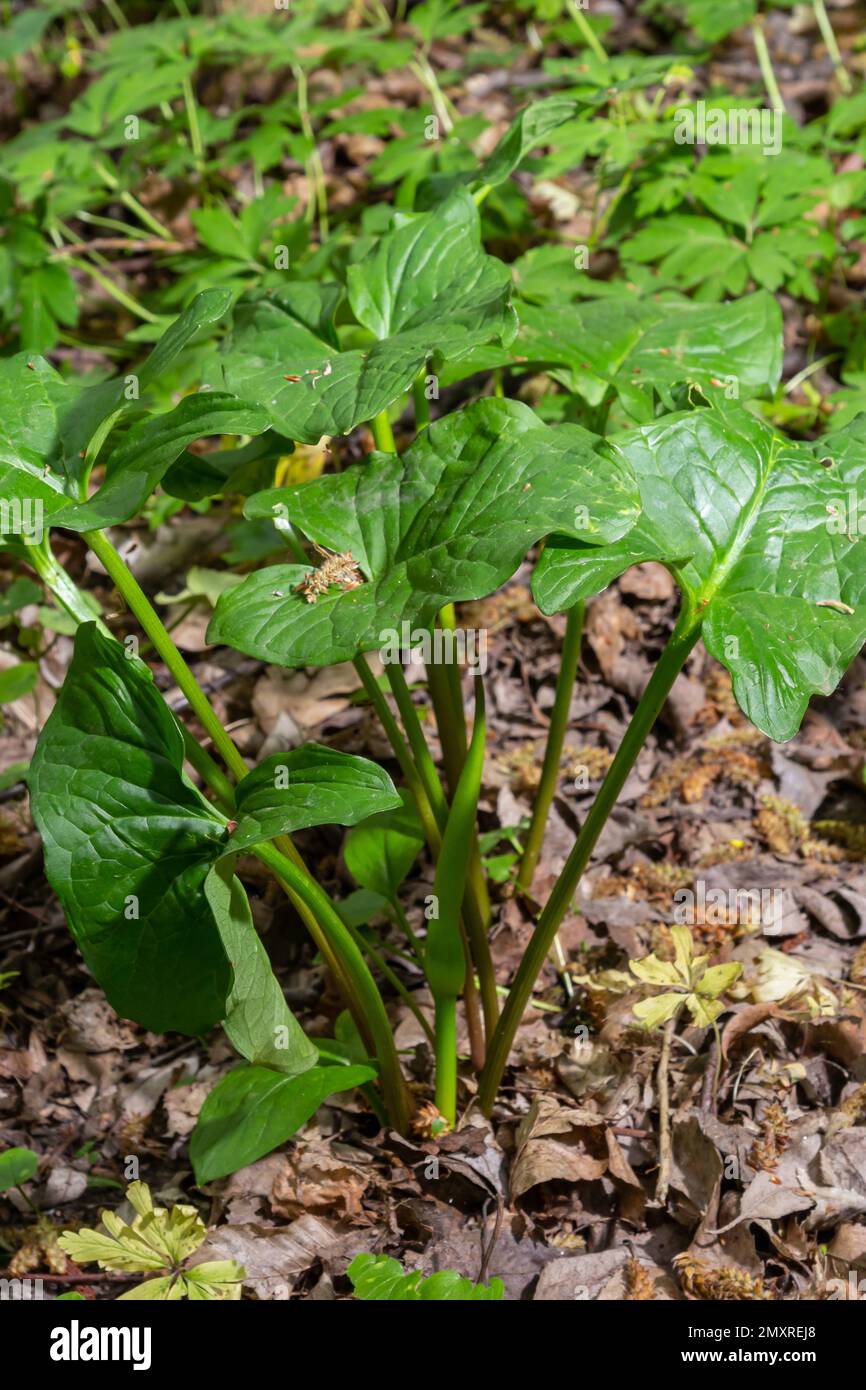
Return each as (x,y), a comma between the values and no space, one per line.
(445,951)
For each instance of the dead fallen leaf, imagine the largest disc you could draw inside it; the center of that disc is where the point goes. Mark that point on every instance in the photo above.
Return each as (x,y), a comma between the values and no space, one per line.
(552,1143)
(578,1277)
(275,1256)
(316,1179)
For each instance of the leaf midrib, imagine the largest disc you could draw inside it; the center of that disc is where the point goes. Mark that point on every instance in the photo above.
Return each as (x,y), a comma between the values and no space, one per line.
(712,586)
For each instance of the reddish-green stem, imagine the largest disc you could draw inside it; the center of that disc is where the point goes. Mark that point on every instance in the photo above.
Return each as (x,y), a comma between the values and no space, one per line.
(555,740)
(670,664)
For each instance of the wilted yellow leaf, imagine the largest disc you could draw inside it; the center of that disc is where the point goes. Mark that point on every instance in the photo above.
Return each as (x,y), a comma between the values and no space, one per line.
(109,1251)
(653,971)
(718,978)
(653,1012)
(215,1279)
(166,1290)
(783,977)
(684,949)
(703,1011)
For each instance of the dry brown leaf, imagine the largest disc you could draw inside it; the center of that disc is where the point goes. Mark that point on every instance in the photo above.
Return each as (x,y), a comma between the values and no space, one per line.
(552,1145)
(743,1019)
(315,1179)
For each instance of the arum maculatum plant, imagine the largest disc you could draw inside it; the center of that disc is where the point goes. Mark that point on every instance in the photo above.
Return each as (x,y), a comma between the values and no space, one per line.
(664,455)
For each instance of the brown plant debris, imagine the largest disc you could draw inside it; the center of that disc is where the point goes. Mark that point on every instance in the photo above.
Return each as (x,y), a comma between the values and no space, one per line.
(785,829)
(716,1283)
(639,1283)
(772,1142)
(338,571)
(731,760)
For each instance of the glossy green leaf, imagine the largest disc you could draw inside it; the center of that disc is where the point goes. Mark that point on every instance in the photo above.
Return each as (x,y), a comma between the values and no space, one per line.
(40,425)
(129,842)
(258,1021)
(636,345)
(431,268)
(149,450)
(252,1111)
(526,131)
(244,469)
(205,310)
(144,865)
(17,1166)
(451,519)
(381,850)
(307,786)
(758,532)
(46,421)
(306,384)
(426,290)
(381,1279)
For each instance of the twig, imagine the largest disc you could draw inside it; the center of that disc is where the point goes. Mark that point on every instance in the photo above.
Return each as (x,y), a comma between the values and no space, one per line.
(488,1246)
(664,1115)
(709,1089)
(765,63)
(120,243)
(829,37)
(104,1278)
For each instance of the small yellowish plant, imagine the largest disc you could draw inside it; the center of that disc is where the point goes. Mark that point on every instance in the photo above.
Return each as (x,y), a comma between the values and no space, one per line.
(780,978)
(687,981)
(158,1239)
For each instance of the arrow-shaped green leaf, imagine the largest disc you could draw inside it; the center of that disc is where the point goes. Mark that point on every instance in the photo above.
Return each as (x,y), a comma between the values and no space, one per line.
(46,422)
(527,130)
(252,1111)
(431,268)
(638,344)
(134,853)
(149,450)
(258,1021)
(427,289)
(760,535)
(308,786)
(129,842)
(449,520)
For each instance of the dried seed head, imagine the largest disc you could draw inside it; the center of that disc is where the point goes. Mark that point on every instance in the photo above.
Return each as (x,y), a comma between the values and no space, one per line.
(718,1283)
(639,1284)
(338,571)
